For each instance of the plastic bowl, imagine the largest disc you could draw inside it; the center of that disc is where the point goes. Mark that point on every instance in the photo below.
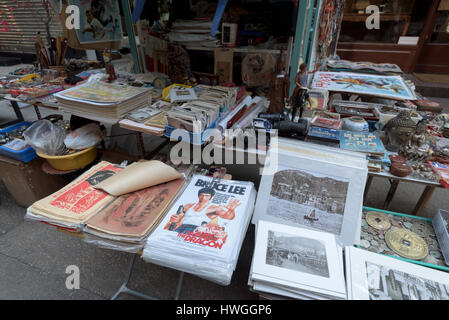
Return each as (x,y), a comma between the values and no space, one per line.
(72,161)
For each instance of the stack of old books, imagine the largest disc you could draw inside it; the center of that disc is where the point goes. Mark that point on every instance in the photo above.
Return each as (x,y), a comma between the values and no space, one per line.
(103,101)
(297,263)
(74,204)
(203,231)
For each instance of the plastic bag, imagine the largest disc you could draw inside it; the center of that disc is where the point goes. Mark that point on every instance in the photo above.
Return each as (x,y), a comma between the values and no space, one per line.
(85,137)
(45,137)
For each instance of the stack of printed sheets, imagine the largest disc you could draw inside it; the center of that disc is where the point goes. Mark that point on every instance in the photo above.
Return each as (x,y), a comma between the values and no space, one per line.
(103,101)
(203,231)
(297,263)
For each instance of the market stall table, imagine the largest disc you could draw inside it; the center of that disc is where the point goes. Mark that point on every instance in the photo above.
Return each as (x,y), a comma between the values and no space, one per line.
(394,183)
(123,288)
(38,104)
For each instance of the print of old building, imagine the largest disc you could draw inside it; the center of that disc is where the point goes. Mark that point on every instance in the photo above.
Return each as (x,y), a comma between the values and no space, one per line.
(322,193)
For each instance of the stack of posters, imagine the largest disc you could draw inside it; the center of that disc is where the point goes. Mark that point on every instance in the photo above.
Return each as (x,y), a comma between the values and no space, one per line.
(203,231)
(74,204)
(371,276)
(390,87)
(103,101)
(314,187)
(297,263)
(128,219)
(144,191)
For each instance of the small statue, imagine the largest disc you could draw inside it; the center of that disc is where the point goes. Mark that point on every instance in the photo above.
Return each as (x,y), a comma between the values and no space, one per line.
(398,131)
(279,86)
(416,150)
(419,137)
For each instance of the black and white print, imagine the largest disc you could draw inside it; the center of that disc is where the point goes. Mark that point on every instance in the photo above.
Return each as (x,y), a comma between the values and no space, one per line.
(297,253)
(389,284)
(308,199)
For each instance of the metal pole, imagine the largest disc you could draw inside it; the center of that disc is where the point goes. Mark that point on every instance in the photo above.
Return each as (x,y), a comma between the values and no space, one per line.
(315,26)
(297,44)
(130,30)
(307,32)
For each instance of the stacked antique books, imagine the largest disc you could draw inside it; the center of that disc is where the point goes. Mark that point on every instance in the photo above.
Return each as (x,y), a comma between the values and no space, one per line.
(103,101)
(203,231)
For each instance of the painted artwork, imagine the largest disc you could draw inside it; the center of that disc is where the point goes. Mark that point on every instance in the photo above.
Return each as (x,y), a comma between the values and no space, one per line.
(99,21)
(392,87)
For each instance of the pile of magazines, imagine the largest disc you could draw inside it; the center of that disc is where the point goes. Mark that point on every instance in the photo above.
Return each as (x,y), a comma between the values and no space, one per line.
(103,101)
(203,231)
(201,113)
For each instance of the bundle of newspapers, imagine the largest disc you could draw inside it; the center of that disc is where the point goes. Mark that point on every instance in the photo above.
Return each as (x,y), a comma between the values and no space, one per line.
(203,231)
(103,101)
(296,263)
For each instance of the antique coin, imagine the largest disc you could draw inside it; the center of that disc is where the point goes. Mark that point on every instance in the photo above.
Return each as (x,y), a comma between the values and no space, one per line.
(420,229)
(407,225)
(407,244)
(364,244)
(378,220)
(436,254)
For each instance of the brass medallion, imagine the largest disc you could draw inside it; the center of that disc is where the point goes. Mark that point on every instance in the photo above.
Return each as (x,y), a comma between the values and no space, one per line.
(406,243)
(378,220)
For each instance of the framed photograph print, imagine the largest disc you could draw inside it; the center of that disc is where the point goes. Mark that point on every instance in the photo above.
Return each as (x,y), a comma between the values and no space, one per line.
(298,260)
(316,193)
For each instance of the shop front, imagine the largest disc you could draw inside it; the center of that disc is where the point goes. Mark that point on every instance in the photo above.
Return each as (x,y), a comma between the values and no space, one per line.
(413,34)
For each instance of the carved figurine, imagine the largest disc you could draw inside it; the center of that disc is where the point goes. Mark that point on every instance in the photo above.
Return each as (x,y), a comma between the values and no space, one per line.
(398,131)
(416,149)
(279,86)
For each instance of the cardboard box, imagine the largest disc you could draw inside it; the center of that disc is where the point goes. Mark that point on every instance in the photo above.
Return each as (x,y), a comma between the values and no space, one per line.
(26,182)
